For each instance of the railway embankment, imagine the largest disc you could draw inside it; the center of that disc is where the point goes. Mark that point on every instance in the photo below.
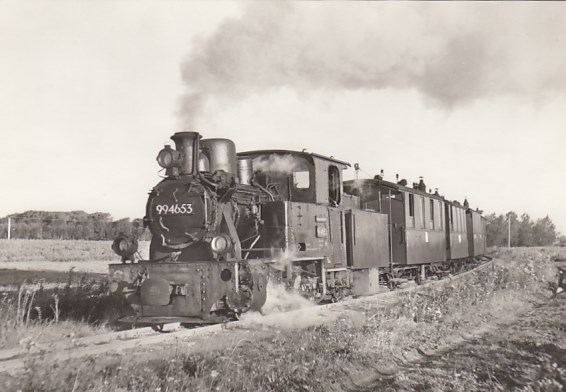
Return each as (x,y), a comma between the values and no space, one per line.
(521,351)
(363,345)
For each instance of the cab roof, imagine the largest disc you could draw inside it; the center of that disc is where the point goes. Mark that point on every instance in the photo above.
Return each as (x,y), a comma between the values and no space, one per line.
(311,155)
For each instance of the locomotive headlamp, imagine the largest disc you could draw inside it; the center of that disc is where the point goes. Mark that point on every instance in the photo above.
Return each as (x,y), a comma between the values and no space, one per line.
(168,158)
(125,247)
(220,243)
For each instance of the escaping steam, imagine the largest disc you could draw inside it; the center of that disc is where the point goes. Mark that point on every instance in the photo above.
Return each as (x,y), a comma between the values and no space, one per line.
(276,163)
(280,299)
(451,53)
(280,302)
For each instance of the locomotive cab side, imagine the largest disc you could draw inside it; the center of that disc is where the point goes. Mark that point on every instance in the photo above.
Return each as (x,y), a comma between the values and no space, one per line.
(329,247)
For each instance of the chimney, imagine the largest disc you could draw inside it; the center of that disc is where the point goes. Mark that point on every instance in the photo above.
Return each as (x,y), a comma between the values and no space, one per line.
(187,143)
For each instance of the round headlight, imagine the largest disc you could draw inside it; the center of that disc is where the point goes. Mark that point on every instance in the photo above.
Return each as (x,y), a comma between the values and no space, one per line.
(219,244)
(168,157)
(125,246)
(165,159)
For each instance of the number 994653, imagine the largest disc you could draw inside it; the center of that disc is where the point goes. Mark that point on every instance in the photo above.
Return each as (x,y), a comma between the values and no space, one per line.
(163,209)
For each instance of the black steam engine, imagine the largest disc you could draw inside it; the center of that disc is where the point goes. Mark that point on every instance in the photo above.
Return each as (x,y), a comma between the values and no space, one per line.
(222,224)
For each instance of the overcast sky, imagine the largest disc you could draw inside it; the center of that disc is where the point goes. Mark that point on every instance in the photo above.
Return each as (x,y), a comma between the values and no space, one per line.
(471,96)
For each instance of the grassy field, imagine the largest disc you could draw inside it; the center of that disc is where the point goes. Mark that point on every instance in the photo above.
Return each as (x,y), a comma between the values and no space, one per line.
(59,256)
(390,348)
(60,250)
(33,311)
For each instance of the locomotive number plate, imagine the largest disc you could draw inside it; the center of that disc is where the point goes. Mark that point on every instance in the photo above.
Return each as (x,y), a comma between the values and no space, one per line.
(174,209)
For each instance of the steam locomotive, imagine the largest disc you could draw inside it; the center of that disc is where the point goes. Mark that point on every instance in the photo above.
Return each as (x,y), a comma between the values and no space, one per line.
(223,223)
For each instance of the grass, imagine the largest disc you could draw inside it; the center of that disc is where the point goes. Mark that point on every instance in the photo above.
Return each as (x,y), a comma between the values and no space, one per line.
(32,311)
(60,250)
(371,351)
(14,277)
(33,314)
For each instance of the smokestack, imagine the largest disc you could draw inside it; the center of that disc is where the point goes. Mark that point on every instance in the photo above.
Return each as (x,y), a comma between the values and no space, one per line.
(187,143)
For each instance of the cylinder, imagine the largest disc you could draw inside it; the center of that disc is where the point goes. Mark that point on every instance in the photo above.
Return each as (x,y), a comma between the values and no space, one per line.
(245,171)
(221,154)
(187,143)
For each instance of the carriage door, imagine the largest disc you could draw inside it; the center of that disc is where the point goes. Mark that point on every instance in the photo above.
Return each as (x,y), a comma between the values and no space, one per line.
(366,239)
(392,205)
(448,219)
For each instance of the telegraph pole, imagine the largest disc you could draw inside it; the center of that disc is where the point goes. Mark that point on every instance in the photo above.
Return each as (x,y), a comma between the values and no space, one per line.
(9,226)
(509,231)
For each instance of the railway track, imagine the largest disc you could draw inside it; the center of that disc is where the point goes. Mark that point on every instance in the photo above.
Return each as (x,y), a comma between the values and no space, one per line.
(15,359)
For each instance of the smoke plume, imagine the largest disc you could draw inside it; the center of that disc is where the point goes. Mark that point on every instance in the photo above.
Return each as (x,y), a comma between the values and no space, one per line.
(452,53)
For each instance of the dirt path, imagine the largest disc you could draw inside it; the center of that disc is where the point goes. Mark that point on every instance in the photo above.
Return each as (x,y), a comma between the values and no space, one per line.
(526,353)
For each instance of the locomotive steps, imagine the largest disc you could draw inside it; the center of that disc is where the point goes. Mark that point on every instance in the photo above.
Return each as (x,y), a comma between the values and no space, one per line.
(13,360)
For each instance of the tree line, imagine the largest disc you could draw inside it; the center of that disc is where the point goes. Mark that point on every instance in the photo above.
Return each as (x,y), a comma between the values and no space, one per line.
(524,231)
(69,225)
(79,225)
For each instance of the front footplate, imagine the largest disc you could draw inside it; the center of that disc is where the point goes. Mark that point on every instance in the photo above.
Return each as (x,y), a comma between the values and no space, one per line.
(166,320)
(195,292)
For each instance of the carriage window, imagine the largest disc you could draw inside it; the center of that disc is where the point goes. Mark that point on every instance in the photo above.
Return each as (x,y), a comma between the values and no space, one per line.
(423,220)
(452,218)
(432,214)
(441,214)
(301,179)
(411,210)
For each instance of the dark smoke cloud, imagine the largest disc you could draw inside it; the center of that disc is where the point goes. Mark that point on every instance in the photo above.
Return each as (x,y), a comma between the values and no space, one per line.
(451,53)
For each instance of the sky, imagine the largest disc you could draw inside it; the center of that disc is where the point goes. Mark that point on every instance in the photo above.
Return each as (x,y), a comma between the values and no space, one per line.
(470,96)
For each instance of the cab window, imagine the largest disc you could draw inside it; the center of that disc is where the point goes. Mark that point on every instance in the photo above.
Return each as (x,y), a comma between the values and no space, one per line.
(301,179)
(333,185)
